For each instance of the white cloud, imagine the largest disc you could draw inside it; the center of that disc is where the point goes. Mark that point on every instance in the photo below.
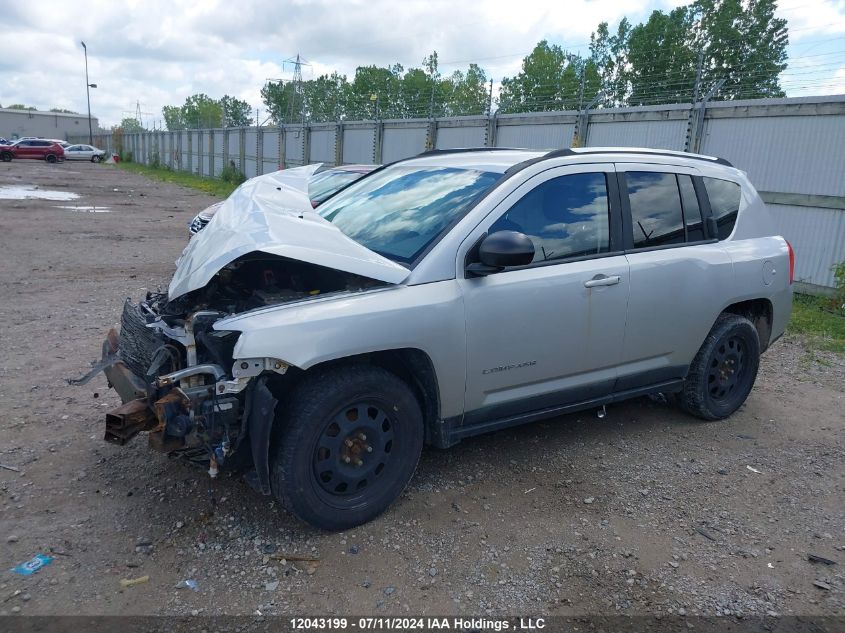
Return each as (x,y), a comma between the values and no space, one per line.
(158,52)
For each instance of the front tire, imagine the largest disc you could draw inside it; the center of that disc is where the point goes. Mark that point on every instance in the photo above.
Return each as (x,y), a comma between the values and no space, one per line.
(724,369)
(350,441)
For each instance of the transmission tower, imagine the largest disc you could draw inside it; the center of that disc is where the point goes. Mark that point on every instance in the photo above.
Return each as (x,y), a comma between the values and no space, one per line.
(296,104)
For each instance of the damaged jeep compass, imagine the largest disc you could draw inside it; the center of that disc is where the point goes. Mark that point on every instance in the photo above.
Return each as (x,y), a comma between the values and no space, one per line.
(316,352)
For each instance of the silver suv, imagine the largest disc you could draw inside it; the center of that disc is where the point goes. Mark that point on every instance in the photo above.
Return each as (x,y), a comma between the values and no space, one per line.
(451,294)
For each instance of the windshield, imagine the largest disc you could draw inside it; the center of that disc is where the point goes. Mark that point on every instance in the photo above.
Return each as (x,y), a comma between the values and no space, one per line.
(399,211)
(324,185)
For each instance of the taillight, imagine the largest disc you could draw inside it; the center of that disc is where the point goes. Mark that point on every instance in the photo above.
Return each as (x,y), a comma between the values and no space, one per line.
(791,262)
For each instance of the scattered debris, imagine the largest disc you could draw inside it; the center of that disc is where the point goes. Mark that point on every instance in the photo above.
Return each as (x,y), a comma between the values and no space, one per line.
(705,534)
(529,490)
(753,470)
(12,468)
(33,565)
(271,586)
(388,591)
(815,558)
(12,538)
(822,585)
(589,500)
(188,584)
(295,558)
(131,582)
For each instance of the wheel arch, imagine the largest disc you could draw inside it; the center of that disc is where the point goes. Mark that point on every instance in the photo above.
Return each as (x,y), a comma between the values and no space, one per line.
(760,312)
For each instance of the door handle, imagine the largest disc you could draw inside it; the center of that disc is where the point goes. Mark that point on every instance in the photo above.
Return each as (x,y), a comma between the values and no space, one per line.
(602,280)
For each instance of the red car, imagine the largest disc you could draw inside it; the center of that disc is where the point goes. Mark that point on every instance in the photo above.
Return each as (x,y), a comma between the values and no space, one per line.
(40,149)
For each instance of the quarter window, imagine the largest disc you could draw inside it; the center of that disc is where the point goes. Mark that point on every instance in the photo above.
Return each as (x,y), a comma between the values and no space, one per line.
(724,197)
(656,215)
(565,217)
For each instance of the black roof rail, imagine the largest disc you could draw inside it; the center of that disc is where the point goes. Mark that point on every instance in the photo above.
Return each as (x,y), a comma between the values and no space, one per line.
(459,150)
(560,153)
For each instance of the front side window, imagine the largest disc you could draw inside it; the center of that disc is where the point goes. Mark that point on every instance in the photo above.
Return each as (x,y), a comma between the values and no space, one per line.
(656,215)
(401,210)
(724,197)
(565,217)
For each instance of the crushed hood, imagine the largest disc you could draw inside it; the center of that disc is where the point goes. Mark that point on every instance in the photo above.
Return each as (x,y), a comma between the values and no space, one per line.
(273,214)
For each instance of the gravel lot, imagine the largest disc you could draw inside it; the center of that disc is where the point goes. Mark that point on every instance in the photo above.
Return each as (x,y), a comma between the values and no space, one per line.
(643,512)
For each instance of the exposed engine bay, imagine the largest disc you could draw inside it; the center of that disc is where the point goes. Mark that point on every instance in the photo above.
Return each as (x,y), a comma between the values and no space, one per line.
(176,374)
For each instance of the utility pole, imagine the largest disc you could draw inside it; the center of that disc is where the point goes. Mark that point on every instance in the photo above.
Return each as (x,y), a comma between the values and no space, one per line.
(88,87)
(431,101)
(490,98)
(581,93)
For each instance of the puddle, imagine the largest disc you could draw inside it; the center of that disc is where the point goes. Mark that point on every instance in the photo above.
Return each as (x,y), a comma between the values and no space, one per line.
(86,209)
(31,192)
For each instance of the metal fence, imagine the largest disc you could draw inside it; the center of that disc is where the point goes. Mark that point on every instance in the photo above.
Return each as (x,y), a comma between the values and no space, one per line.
(792,149)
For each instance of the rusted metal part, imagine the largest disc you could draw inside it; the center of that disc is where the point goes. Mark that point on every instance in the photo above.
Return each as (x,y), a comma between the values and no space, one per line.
(128,386)
(129,419)
(162,443)
(158,440)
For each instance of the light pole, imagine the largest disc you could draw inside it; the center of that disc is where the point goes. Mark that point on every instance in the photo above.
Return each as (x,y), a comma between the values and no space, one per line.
(88,95)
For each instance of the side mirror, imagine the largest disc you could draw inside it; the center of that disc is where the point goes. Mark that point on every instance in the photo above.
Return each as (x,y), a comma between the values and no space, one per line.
(500,250)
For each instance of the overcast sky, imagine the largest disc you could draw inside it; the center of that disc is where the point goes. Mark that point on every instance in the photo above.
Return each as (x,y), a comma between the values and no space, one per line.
(159,52)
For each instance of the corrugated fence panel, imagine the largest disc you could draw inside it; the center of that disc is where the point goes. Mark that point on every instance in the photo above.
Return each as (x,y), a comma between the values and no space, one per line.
(789,154)
(463,136)
(359,144)
(667,134)
(270,150)
(818,237)
(322,145)
(250,168)
(294,144)
(402,142)
(535,136)
(219,144)
(235,147)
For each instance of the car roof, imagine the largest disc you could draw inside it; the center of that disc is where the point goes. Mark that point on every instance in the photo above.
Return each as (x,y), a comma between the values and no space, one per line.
(502,159)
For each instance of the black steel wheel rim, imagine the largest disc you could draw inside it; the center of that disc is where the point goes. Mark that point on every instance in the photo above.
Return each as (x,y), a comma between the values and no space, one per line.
(354,450)
(728,370)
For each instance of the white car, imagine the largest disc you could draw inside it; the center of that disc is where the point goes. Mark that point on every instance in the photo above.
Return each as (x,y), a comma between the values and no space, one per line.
(84,152)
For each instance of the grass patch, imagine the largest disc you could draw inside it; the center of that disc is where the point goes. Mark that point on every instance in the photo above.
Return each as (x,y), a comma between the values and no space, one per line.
(207,185)
(822,328)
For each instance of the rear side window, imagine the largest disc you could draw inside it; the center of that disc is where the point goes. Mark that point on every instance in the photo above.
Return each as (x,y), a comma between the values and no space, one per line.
(724,197)
(565,217)
(656,215)
(692,211)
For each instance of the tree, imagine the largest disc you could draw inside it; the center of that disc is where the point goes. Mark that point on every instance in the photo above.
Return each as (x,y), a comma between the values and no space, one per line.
(661,59)
(236,113)
(277,97)
(743,43)
(326,97)
(201,111)
(20,106)
(63,111)
(376,93)
(130,124)
(173,118)
(550,79)
(609,54)
(468,92)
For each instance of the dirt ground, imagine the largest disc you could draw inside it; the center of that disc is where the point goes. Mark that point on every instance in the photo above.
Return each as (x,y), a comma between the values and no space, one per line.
(643,512)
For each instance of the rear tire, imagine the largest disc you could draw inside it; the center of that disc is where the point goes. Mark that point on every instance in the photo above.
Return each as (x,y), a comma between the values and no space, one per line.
(350,440)
(6,157)
(724,369)
(50,158)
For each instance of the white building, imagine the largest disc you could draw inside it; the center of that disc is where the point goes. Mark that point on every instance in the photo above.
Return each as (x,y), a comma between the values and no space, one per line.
(17,123)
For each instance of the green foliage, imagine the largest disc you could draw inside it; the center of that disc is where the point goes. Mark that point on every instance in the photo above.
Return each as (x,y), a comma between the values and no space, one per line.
(20,106)
(839,281)
(63,110)
(820,327)
(130,125)
(211,186)
(155,160)
(550,79)
(232,175)
(201,111)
